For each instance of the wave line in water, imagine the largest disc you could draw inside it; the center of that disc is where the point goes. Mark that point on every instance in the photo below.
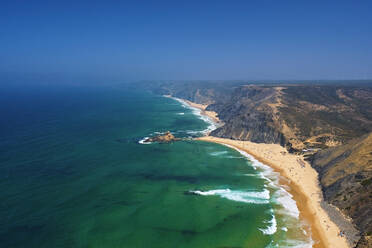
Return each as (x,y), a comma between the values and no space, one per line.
(143,142)
(281,196)
(218,153)
(272,227)
(212,125)
(239,196)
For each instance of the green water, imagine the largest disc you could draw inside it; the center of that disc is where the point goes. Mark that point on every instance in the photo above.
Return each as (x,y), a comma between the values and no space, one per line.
(74,175)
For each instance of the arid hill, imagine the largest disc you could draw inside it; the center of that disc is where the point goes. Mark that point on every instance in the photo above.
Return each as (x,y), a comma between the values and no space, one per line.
(302,118)
(345,172)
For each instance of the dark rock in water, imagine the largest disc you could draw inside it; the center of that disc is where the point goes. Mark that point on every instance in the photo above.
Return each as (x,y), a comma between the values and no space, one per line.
(164,138)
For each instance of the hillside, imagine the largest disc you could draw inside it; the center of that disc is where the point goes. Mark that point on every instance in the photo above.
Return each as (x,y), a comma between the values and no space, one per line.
(302,118)
(345,173)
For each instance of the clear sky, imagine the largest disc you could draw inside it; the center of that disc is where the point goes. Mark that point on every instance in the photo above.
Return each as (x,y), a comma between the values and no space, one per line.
(187,39)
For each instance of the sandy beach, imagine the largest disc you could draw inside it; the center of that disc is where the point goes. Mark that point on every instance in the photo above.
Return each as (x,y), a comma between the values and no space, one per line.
(211,114)
(302,180)
(202,107)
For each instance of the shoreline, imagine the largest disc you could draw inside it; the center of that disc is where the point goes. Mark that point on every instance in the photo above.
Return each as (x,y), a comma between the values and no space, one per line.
(302,181)
(202,107)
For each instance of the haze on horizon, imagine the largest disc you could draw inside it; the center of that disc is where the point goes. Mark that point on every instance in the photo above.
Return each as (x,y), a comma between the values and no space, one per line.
(224,40)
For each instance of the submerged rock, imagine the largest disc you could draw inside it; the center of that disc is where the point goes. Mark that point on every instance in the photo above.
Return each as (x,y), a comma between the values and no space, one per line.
(163,138)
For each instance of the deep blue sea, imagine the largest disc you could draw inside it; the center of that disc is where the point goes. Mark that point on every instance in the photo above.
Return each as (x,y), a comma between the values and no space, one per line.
(74,173)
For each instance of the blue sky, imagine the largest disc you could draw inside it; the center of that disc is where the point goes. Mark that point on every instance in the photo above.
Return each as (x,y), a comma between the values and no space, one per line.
(187,39)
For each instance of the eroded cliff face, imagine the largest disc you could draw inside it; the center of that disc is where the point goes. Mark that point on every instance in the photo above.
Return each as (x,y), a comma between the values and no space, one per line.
(345,173)
(305,119)
(249,115)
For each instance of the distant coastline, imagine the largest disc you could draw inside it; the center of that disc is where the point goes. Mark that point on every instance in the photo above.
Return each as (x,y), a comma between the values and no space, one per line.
(302,178)
(211,115)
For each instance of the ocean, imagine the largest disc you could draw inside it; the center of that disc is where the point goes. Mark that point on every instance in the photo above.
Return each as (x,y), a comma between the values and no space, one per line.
(75,172)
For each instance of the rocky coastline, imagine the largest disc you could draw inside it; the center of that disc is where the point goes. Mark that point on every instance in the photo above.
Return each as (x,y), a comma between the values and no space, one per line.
(162,138)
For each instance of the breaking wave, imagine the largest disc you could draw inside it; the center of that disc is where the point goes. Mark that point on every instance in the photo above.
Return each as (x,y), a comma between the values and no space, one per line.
(281,195)
(239,196)
(143,142)
(218,153)
(284,201)
(272,227)
(212,125)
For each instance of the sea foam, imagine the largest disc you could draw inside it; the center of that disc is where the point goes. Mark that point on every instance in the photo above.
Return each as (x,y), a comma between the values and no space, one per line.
(286,200)
(282,198)
(272,227)
(219,153)
(212,125)
(239,196)
(281,195)
(143,142)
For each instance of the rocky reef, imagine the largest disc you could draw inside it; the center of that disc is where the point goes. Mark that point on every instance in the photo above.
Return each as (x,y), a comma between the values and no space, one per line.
(163,138)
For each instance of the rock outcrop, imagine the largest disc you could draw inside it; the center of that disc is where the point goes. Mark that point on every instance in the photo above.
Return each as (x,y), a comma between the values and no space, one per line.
(163,138)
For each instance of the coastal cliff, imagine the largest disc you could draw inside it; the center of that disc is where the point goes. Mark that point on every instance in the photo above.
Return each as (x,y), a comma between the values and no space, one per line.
(304,119)
(249,115)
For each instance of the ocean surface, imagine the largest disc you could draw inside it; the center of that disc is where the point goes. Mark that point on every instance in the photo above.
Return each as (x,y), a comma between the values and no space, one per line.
(75,172)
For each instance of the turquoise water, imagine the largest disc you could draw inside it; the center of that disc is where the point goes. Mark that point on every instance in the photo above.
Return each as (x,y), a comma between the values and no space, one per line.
(73,174)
